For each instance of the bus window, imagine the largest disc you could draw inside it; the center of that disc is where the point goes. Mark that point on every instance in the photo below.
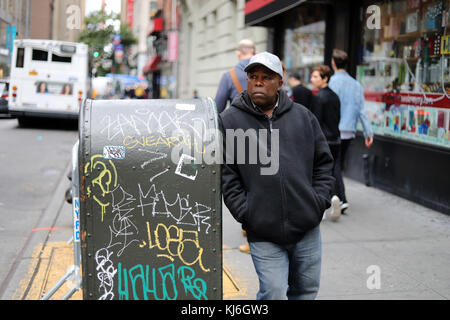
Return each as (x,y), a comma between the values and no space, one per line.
(20,57)
(40,55)
(56,58)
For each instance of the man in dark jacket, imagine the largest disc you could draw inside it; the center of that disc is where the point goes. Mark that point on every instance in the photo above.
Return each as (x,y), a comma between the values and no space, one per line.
(300,94)
(280,203)
(327,109)
(228,87)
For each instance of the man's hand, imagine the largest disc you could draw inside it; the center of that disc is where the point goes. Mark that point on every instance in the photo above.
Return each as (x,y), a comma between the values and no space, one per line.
(369,142)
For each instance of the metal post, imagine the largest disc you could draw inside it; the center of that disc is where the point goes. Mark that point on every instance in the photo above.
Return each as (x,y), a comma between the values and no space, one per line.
(73,272)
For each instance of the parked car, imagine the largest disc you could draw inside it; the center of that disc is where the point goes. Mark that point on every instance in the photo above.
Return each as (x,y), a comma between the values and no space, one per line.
(4,89)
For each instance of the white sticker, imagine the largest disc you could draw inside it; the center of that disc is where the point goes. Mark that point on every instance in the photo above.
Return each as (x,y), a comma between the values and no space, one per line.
(188,107)
(186,167)
(114,152)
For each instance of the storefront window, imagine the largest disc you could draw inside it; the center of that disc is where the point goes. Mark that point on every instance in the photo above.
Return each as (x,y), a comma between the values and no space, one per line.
(304,39)
(405,69)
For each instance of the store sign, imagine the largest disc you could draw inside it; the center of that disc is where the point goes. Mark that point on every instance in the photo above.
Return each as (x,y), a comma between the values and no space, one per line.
(173,46)
(130,12)
(259,10)
(413,99)
(11,33)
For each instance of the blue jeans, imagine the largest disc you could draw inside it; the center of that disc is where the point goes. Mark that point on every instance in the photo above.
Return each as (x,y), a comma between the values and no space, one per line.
(288,271)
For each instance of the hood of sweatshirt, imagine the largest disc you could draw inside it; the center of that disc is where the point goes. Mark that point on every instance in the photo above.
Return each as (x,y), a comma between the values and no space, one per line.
(242,101)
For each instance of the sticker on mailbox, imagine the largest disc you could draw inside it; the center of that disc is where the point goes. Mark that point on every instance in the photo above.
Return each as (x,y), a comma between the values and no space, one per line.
(114,152)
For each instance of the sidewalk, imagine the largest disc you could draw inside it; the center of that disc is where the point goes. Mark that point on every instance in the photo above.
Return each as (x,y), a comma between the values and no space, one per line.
(405,242)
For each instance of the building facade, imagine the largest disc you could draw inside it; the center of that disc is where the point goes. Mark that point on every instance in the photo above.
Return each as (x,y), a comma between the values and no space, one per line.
(14,23)
(209,32)
(64,15)
(399,51)
(43,19)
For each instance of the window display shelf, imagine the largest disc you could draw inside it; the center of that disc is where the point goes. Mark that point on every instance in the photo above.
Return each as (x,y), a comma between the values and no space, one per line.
(405,72)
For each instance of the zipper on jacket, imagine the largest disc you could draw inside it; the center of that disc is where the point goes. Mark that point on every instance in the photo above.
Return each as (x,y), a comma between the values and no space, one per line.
(284,214)
(270,122)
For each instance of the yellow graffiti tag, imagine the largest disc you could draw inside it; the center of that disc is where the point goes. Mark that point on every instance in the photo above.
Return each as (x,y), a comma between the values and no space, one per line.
(155,141)
(105,180)
(175,242)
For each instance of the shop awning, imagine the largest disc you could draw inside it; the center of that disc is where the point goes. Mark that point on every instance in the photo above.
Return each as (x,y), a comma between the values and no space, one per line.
(257,11)
(152,64)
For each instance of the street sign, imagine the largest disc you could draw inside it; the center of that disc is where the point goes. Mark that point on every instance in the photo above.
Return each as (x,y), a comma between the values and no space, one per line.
(173,46)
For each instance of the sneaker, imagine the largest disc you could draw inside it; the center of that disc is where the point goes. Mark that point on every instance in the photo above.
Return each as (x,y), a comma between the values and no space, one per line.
(335,208)
(344,206)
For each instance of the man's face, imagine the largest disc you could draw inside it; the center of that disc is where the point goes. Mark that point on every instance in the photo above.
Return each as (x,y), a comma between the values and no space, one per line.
(262,86)
(293,82)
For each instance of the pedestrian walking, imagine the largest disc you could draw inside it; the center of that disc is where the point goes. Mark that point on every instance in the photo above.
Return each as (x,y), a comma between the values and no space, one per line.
(351,96)
(280,211)
(327,109)
(234,81)
(300,93)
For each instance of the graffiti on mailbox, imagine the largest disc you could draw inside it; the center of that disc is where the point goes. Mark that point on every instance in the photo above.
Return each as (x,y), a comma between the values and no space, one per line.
(155,235)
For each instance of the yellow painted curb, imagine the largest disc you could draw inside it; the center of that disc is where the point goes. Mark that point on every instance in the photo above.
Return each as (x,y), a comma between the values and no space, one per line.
(47,266)
(51,263)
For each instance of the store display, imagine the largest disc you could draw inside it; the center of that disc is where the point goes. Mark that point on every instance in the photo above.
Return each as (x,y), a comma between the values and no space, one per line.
(304,40)
(413,4)
(433,16)
(437,45)
(445,44)
(406,71)
(412,22)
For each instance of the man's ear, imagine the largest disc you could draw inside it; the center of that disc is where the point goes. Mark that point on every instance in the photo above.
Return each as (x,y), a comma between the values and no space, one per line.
(280,83)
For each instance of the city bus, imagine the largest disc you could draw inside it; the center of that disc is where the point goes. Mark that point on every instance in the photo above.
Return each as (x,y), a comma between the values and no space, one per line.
(48,79)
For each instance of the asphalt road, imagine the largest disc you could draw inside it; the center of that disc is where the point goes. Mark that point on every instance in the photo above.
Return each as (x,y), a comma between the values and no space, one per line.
(33,161)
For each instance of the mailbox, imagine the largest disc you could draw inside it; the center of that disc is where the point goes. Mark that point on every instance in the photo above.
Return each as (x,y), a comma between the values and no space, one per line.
(150,200)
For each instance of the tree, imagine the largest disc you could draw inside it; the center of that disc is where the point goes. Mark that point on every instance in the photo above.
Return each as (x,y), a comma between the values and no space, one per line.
(98,35)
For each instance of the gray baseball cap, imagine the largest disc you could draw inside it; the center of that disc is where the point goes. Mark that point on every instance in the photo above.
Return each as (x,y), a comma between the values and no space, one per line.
(268,60)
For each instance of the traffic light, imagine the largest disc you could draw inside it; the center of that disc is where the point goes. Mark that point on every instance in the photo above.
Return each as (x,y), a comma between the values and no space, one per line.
(96,54)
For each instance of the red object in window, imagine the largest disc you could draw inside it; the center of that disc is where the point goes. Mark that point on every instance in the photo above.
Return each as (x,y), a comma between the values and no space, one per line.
(152,64)
(157,25)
